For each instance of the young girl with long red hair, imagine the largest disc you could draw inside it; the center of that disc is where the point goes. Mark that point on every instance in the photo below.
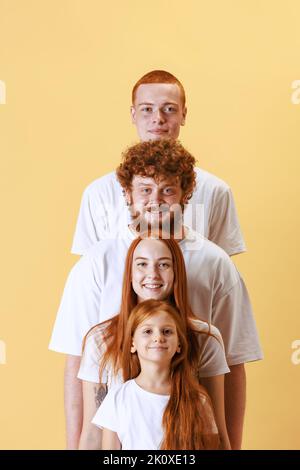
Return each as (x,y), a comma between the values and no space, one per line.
(154,269)
(160,405)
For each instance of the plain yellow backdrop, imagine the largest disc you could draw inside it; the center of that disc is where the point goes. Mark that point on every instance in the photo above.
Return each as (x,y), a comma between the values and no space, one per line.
(68,67)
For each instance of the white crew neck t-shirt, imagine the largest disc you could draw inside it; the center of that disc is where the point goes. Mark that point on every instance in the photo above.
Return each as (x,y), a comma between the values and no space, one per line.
(212,361)
(217,295)
(211,212)
(134,414)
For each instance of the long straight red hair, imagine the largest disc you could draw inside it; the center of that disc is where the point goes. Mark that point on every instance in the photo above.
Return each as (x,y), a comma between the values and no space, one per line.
(114,331)
(188,420)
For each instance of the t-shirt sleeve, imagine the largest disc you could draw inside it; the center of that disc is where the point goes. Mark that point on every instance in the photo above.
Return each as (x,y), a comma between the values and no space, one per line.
(232,314)
(213,360)
(90,360)
(91,224)
(107,413)
(78,310)
(224,227)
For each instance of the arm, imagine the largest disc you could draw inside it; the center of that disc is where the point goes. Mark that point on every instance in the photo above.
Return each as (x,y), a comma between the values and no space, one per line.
(73,402)
(93,395)
(215,388)
(78,311)
(110,440)
(234,317)
(235,403)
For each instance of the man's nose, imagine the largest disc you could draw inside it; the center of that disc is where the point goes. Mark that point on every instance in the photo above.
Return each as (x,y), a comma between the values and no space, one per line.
(158,116)
(155,197)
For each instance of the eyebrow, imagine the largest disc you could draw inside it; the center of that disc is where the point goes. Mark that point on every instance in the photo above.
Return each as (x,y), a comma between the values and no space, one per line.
(159,259)
(163,326)
(162,183)
(164,104)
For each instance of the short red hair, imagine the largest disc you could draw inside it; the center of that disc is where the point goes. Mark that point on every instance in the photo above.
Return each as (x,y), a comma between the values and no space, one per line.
(158,76)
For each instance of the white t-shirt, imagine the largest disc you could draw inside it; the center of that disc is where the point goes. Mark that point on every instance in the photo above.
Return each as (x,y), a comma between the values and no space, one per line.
(216,292)
(135,415)
(211,363)
(211,212)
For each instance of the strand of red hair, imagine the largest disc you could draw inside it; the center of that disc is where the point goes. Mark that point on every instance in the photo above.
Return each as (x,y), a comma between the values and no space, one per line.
(188,420)
(114,332)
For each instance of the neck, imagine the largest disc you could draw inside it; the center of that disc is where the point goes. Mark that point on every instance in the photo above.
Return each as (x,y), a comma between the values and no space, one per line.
(154,378)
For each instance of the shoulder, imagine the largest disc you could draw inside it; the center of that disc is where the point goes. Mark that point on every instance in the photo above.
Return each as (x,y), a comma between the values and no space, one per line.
(200,326)
(94,344)
(196,244)
(210,181)
(205,260)
(115,245)
(93,266)
(96,333)
(121,391)
(106,184)
(84,268)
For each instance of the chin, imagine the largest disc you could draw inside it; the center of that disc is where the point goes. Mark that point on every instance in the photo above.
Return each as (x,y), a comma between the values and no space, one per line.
(154,296)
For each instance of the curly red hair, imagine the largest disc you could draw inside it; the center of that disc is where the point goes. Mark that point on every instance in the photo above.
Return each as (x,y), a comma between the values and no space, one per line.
(158,76)
(158,159)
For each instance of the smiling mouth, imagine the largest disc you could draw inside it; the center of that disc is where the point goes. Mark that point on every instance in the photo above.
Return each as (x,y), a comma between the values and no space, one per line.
(159,348)
(153,286)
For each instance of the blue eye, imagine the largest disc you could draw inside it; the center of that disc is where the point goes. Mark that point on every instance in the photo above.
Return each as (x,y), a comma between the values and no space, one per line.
(168,190)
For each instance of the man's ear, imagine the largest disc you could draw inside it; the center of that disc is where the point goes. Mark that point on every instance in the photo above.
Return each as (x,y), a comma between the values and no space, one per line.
(185,198)
(127,196)
(184,112)
(132,112)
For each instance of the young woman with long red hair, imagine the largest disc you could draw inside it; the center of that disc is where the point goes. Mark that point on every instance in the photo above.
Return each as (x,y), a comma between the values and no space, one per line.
(154,269)
(160,405)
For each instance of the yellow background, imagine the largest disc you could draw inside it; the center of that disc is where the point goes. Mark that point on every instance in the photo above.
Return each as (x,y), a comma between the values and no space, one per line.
(69,66)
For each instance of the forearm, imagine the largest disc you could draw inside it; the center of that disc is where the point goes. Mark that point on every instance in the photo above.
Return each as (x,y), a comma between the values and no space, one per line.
(235,404)
(91,435)
(215,389)
(73,402)
(90,439)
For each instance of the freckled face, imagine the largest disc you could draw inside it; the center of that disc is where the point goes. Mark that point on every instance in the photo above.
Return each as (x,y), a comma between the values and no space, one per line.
(158,111)
(152,270)
(153,200)
(156,339)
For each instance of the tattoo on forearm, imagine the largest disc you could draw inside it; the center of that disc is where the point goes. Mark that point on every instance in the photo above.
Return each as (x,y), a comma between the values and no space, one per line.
(100,393)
